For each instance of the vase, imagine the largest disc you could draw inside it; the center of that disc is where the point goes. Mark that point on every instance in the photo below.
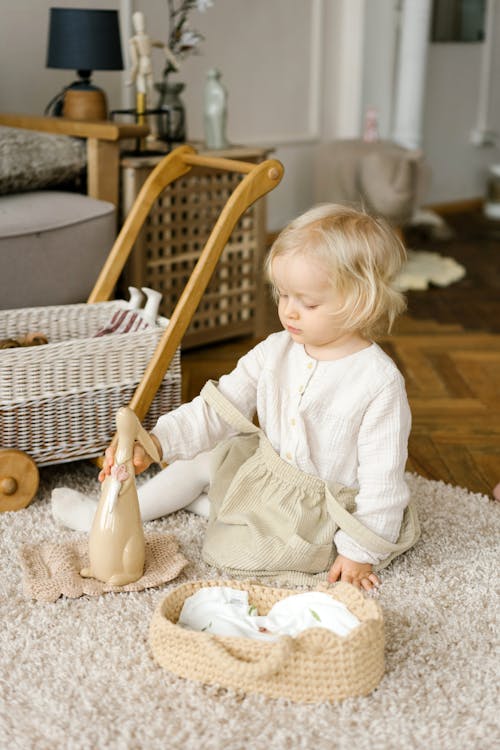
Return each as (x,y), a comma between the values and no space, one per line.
(215,111)
(171,114)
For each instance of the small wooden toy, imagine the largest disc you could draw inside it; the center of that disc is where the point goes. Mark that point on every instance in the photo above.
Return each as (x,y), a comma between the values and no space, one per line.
(30,339)
(116,541)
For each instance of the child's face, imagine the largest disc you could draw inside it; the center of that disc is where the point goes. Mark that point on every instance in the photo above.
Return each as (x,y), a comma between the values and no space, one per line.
(308,304)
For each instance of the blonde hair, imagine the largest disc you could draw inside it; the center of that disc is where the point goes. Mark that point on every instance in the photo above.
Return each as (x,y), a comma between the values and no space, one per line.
(362,255)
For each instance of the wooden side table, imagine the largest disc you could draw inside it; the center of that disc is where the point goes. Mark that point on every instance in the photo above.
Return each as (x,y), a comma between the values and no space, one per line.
(174,235)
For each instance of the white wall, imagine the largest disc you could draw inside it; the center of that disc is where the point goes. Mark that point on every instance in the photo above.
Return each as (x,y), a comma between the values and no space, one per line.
(26,85)
(459,168)
(298,72)
(379,61)
(270,53)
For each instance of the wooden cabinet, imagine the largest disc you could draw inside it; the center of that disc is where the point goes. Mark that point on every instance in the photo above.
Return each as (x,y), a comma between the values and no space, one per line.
(174,235)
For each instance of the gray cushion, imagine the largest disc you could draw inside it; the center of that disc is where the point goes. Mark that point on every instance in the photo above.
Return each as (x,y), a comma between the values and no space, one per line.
(30,160)
(52,247)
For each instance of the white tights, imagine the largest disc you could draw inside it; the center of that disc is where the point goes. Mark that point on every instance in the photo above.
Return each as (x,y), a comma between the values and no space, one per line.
(180,485)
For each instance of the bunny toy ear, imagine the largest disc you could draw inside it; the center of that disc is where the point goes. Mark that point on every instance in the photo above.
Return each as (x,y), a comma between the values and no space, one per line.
(148,444)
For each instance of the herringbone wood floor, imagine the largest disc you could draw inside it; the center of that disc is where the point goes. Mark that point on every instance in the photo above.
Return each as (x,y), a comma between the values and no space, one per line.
(448,349)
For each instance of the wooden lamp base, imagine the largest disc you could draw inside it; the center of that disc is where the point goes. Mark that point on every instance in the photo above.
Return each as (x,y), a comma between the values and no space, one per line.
(81,104)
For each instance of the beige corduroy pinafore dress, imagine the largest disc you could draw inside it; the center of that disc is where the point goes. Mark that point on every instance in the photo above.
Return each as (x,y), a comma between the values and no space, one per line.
(268,519)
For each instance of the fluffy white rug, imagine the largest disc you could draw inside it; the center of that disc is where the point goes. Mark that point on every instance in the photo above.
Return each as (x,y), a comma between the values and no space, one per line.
(78,673)
(423,268)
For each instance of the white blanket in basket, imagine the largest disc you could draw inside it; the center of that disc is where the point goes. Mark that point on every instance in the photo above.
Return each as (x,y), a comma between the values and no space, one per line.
(225,611)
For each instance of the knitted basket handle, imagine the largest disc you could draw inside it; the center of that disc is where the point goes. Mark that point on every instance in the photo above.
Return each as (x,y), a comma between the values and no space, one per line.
(270,664)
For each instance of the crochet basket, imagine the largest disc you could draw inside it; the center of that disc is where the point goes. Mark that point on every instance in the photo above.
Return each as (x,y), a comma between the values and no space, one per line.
(317,665)
(58,401)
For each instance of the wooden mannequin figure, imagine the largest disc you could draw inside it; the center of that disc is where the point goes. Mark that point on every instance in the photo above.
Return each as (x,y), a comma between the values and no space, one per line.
(141,72)
(116,542)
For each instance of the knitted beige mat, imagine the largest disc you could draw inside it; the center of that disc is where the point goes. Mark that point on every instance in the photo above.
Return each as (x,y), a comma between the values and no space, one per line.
(51,570)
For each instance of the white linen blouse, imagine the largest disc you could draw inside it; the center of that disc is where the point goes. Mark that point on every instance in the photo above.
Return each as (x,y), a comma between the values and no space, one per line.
(345,420)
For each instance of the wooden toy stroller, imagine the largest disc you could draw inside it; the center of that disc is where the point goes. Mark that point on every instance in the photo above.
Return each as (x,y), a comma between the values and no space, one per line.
(58,401)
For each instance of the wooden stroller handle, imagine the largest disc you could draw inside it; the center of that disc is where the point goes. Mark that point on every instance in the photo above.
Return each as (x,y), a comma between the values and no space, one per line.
(178,163)
(229,165)
(259,180)
(168,170)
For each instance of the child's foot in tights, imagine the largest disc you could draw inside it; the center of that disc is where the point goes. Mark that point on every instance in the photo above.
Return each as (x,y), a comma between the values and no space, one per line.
(73,509)
(180,485)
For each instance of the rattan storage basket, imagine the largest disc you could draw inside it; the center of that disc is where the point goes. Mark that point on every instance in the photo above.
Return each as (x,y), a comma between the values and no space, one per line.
(58,401)
(317,665)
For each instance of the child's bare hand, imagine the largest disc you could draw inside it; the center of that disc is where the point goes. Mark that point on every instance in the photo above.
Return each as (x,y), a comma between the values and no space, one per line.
(349,571)
(140,459)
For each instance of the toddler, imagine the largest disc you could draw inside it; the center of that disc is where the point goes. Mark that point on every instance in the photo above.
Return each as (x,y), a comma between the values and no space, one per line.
(317,490)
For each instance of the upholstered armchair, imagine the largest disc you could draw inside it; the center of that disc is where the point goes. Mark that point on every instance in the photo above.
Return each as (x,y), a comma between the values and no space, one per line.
(59,193)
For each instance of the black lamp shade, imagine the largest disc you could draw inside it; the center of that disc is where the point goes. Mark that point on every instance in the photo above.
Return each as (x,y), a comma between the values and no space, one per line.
(82,39)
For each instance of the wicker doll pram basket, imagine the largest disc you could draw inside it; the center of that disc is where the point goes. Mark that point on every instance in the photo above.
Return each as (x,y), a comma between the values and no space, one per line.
(317,665)
(58,401)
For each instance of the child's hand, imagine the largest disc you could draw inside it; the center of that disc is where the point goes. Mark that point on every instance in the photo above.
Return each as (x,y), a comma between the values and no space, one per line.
(349,571)
(140,459)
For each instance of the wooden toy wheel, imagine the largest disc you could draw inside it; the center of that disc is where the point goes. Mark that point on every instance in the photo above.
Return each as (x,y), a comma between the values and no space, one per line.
(19,479)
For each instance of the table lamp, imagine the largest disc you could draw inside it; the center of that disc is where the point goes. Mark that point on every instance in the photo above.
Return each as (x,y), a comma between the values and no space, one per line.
(83,40)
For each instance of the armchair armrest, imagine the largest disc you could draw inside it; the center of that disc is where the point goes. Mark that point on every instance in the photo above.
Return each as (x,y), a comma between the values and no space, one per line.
(103,146)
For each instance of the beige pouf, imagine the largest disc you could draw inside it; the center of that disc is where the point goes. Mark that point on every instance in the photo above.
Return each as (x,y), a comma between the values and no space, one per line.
(317,665)
(383,178)
(52,246)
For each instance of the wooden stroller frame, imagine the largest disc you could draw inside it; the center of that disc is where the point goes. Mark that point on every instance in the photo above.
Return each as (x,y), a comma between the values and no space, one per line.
(259,180)
(17,469)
